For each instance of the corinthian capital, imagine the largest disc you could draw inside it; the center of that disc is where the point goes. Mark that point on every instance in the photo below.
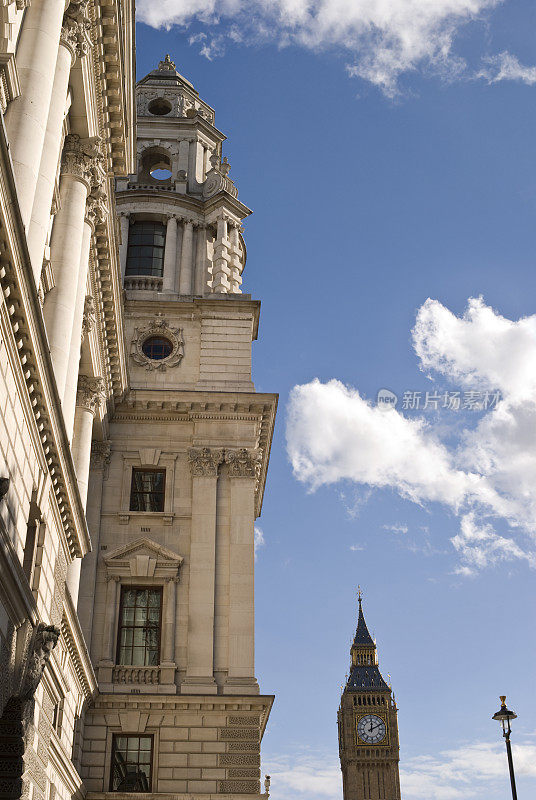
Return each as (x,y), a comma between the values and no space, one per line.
(243,463)
(75,32)
(90,393)
(204,462)
(83,159)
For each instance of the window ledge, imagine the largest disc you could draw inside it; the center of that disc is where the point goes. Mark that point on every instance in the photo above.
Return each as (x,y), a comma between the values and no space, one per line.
(166,516)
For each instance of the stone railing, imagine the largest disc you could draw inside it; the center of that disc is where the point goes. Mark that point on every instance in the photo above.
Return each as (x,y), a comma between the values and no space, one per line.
(145,675)
(147,282)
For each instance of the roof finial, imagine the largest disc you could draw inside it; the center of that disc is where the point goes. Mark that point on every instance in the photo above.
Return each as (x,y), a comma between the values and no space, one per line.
(167,63)
(359,594)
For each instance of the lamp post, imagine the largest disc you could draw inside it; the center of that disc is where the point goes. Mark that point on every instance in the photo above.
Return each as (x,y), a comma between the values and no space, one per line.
(504,715)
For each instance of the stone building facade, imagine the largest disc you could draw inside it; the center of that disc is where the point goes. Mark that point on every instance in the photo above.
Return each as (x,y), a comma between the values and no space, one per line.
(133,446)
(368,725)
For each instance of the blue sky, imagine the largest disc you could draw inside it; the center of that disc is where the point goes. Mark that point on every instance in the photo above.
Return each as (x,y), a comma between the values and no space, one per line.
(384,170)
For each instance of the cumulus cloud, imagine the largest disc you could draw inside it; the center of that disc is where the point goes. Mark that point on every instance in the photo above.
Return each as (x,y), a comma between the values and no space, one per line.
(506,67)
(470,771)
(381,40)
(485,474)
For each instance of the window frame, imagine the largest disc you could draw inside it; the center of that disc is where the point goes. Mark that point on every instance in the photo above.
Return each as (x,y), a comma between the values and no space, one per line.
(161,494)
(138,587)
(133,248)
(117,735)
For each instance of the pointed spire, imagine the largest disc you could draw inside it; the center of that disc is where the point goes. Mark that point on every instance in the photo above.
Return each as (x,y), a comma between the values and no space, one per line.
(362,635)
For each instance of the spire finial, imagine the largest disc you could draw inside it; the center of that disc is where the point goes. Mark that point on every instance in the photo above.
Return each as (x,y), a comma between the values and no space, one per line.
(359,594)
(167,63)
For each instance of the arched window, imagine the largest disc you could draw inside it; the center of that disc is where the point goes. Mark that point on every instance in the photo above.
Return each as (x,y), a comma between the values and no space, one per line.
(145,254)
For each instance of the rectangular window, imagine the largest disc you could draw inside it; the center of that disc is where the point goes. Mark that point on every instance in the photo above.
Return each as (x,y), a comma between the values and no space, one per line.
(147,489)
(139,626)
(145,252)
(131,763)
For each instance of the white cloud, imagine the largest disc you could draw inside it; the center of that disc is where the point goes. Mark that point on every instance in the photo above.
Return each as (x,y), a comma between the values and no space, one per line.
(472,770)
(382,39)
(483,474)
(506,67)
(396,528)
(356,548)
(258,540)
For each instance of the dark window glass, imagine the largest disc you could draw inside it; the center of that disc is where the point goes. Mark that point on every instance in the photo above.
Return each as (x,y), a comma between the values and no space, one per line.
(156,347)
(139,626)
(131,763)
(145,253)
(147,489)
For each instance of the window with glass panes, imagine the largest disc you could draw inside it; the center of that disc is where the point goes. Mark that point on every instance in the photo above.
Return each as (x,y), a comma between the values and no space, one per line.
(147,489)
(131,763)
(145,253)
(138,642)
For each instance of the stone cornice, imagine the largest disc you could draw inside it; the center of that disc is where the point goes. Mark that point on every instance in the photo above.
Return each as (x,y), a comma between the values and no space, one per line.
(76,645)
(26,320)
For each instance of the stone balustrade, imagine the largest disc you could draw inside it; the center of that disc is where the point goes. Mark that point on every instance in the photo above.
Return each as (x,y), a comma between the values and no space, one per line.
(148,282)
(144,675)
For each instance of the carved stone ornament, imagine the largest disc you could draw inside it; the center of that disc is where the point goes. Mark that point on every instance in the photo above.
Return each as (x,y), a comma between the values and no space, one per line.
(89,320)
(158,327)
(45,640)
(243,463)
(83,158)
(218,178)
(204,461)
(75,32)
(96,209)
(90,393)
(167,64)
(101,454)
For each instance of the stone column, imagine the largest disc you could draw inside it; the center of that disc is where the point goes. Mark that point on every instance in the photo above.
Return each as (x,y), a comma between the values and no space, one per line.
(192,152)
(201,275)
(79,164)
(167,659)
(95,210)
(184,149)
(124,219)
(74,42)
(235,279)
(170,255)
(112,607)
(221,269)
(204,464)
(100,460)
(187,255)
(243,474)
(89,396)
(26,117)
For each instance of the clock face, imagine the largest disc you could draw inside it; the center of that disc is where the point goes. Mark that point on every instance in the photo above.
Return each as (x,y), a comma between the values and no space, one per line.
(371,729)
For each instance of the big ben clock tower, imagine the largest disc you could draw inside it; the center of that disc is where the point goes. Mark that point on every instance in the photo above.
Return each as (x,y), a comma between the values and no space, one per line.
(368,728)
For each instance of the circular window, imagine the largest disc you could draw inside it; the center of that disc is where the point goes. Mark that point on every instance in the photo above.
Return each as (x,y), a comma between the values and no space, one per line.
(161,174)
(157,347)
(159,107)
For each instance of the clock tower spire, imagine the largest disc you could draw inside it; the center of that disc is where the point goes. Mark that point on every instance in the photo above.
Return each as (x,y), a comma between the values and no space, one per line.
(368,728)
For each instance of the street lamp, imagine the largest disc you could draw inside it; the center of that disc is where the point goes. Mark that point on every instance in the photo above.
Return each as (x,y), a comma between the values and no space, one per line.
(504,715)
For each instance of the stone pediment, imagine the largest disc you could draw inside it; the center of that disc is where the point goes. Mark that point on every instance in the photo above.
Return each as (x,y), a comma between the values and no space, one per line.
(143,558)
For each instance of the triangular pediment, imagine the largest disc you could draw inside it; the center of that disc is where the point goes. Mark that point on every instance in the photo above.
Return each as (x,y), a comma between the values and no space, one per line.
(143,558)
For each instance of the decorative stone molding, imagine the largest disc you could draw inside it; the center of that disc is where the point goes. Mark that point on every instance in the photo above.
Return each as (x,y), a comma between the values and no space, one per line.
(89,319)
(218,178)
(142,558)
(127,674)
(101,455)
(96,208)
(167,64)
(83,159)
(204,462)
(90,393)
(44,641)
(158,327)
(243,463)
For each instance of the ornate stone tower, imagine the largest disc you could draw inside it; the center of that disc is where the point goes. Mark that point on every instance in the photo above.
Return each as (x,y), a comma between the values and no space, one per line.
(368,728)
(167,593)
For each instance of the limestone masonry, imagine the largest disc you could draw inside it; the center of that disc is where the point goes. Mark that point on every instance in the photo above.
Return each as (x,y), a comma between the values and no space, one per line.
(133,445)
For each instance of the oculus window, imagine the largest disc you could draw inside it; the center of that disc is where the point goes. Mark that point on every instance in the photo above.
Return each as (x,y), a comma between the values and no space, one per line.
(140,617)
(157,347)
(131,763)
(145,253)
(147,489)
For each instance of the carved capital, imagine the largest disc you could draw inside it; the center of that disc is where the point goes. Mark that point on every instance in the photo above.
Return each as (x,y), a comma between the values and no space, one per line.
(243,463)
(83,158)
(90,393)
(204,461)
(101,454)
(75,32)
(96,209)
(89,320)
